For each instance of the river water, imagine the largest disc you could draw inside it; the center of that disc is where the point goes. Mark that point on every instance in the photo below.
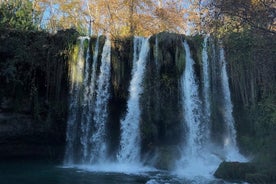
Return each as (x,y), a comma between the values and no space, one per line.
(38,172)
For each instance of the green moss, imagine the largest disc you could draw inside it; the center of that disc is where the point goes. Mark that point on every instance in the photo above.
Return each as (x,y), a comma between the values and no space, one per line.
(196,46)
(74,53)
(168,43)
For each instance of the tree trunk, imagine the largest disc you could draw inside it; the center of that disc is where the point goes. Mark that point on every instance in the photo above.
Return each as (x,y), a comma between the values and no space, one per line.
(131,21)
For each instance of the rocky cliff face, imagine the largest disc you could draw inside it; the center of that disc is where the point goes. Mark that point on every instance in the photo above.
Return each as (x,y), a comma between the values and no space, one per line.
(33,94)
(252,66)
(22,137)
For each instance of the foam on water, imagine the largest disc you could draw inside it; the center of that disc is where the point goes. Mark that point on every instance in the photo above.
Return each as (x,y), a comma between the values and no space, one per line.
(199,167)
(112,167)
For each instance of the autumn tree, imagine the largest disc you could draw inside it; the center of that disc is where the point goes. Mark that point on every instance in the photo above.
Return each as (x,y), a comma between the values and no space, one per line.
(114,17)
(170,16)
(61,14)
(198,15)
(235,15)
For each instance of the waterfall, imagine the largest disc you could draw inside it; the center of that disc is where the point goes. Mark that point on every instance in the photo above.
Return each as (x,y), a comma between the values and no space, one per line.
(86,136)
(98,140)
(228,107)
(191,106)
(200,156)
(76,74)
(206,80)
(137,44)
(206,90)
(130,131)
(94,68)
(230,143)
(206,106)
(88,99)
(85,106)
(197,158)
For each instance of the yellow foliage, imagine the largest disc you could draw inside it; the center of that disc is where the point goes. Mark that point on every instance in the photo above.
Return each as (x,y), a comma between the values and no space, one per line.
(114,17)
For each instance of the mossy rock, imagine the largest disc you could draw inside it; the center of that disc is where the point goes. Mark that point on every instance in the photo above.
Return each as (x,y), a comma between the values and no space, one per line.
(170,46)
(234,170)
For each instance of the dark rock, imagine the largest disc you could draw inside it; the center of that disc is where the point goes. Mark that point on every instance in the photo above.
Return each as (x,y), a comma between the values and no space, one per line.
(34,83)
(6,104)
(264,174)
(166,157)
(22,137)
(12,124)
(257,178)
(234,170)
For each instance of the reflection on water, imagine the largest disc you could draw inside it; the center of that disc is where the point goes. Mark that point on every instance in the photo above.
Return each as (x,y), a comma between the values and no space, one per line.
(36,172)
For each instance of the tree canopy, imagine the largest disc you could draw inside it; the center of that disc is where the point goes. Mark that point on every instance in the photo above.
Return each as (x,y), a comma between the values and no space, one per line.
(140,17)
(17,14)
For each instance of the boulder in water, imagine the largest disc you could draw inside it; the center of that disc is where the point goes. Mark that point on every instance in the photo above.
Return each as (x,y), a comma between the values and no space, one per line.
(234,170)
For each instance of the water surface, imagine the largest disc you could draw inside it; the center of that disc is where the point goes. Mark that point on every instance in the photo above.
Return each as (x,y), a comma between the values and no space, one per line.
(38,172)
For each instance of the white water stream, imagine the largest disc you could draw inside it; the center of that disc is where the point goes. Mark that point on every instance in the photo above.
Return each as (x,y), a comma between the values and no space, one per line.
(130,126)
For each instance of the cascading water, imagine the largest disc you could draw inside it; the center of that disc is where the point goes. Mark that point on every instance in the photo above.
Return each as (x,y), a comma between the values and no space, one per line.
(230,144)
(130,135)
(88,102)
(196,159)
(191,106)
(94,69)
(88,112)
(99,144)
(86,137)
(206,89)
(85,108)
(76,74)
(231,132)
